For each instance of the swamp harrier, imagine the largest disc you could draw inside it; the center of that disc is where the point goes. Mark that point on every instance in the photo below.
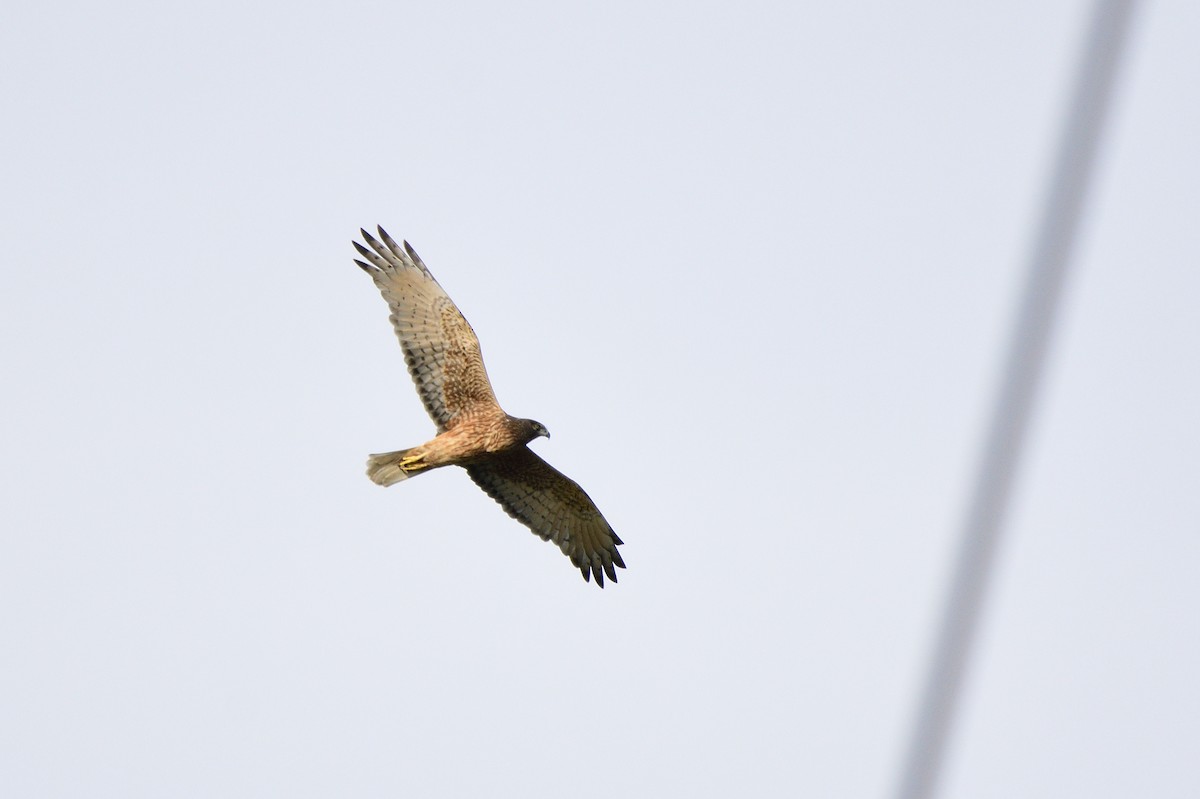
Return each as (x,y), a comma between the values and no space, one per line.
(474,432)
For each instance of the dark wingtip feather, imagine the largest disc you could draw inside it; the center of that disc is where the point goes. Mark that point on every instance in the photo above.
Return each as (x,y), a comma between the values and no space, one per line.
(587,575)
(370,270)
(408,248)
(389,241)
(610,571)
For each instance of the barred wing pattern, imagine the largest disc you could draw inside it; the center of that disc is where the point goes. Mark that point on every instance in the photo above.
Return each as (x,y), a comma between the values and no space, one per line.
(554,506)
(440,348)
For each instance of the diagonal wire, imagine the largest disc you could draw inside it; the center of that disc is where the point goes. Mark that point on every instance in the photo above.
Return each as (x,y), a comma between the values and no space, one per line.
(983,523)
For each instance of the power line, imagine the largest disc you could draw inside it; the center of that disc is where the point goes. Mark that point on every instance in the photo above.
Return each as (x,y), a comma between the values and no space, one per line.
(1049,258)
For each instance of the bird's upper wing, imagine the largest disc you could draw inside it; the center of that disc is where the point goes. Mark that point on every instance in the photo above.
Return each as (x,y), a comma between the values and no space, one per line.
(553,506)
(440,348)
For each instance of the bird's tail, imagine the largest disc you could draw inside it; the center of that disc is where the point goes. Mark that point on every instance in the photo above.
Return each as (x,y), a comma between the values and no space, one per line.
(388,468)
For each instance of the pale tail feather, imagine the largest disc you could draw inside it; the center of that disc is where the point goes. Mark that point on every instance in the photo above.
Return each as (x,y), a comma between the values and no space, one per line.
(384,468)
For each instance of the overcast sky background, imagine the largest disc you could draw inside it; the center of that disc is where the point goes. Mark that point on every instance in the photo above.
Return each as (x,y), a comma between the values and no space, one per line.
(753,265)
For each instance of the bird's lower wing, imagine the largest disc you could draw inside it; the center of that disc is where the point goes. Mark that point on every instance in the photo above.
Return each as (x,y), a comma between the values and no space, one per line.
(554,506)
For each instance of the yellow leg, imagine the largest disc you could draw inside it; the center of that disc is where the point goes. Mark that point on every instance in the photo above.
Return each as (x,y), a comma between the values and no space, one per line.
(413,463)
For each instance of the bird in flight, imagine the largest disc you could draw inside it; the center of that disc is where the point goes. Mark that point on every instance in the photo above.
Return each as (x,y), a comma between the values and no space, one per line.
(474,432)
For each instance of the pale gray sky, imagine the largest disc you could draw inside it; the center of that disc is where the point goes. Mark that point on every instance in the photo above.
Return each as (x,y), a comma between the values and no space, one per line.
(805,223)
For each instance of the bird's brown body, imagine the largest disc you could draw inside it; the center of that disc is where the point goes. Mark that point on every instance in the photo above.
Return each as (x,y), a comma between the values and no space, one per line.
(473,439)
(444,359)
(476,438)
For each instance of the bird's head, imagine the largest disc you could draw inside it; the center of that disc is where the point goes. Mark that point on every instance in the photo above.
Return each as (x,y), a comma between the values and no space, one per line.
(533,429)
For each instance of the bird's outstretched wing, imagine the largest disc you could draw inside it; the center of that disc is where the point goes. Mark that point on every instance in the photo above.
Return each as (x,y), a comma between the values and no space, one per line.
(553,506)
(440,348)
